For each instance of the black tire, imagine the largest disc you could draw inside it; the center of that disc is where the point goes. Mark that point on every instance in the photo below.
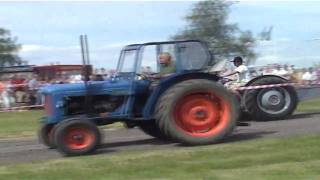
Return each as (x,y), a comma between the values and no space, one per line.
(173,123)
(151,128)
(244,116)
(45,135)
(253,100)
(66,133)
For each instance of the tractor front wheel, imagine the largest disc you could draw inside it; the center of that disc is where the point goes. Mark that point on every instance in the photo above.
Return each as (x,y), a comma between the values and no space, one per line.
(77,137)
(45,135)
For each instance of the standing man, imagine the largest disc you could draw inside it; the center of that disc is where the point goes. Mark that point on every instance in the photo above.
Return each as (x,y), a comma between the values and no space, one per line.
(2,88)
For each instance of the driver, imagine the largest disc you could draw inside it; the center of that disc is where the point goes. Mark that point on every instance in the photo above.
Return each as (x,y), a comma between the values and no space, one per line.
(167,66)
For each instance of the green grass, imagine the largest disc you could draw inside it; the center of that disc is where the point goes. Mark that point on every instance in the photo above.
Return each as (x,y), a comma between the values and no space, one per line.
(19,124)
(286,158)
(309,106)
(25,124)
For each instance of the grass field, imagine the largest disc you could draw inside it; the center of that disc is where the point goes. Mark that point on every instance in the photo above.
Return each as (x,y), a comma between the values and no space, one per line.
(19,124)
(309,106)
(24,124)
(291,158)
(285,158)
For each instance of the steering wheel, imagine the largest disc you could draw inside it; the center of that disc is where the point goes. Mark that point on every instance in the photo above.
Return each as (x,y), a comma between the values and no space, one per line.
(225,80)
(141,76)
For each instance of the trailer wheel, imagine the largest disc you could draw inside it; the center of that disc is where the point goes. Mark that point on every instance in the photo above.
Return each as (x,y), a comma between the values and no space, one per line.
(77,137)
(270,103)
(45,135)
(196,112)
(152,129)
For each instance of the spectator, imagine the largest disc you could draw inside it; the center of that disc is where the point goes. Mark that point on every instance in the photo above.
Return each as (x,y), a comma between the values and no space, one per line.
(2,88)
(18,88)
(104,73)
(309,75)
(318,74)
(313,74)
(276,70)
(283,72)
(267,70)
(291,69)
(34,96)
(5,95)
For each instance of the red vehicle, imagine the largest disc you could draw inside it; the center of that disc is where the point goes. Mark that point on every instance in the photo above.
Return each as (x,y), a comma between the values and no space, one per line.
(19,76)
(50,72)
(45,73)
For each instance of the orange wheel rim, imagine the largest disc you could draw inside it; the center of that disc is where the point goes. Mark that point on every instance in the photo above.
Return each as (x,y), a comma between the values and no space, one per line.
(78,138)
(201,114)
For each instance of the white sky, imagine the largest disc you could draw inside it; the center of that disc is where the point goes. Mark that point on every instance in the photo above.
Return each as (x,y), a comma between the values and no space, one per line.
(49,31)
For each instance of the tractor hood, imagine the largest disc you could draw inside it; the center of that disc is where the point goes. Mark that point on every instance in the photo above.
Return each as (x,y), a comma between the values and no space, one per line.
(92,88)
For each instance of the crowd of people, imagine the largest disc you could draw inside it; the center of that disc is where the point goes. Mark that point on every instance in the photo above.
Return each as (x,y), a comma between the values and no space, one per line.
(18,89)
(23,90)
(298,75)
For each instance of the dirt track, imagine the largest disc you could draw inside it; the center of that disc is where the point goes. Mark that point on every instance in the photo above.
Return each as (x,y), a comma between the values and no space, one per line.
(29,150)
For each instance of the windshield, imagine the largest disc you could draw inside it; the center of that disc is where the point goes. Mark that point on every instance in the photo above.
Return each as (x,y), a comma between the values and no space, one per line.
(127,61)
(193,56)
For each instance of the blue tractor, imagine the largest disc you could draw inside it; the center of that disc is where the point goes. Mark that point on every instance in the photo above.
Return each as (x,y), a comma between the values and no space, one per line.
(188,106)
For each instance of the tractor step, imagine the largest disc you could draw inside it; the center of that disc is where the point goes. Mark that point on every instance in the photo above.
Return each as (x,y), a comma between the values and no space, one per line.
(243,124)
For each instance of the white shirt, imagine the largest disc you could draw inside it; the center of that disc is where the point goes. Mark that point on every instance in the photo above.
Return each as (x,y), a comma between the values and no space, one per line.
(242,73)
(33,84)
(282,72)
(306,76)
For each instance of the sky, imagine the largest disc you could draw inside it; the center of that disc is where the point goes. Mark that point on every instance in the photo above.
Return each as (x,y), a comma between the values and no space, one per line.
(49,31)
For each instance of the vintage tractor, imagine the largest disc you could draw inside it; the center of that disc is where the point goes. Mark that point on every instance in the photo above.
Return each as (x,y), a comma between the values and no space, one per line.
(189,106)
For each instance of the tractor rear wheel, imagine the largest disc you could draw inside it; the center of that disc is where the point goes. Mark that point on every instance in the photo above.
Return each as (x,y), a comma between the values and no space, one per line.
(45,135)
(270,103)
(77,137)
(196,112)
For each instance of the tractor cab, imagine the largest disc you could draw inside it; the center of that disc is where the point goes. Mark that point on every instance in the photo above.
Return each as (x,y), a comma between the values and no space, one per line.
(127,94)
(143,59)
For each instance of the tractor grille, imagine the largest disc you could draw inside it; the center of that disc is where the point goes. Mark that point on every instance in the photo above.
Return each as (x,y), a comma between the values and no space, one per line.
(47,105)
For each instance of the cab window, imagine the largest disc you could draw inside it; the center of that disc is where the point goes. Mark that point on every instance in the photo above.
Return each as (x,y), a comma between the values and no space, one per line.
(148,63)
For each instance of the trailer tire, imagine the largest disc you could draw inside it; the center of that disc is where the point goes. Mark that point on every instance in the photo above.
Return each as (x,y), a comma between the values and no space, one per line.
(270,103)
(197,112)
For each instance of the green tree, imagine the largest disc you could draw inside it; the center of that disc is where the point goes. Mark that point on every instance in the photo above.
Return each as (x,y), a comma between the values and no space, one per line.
(8,48)
(207,21)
